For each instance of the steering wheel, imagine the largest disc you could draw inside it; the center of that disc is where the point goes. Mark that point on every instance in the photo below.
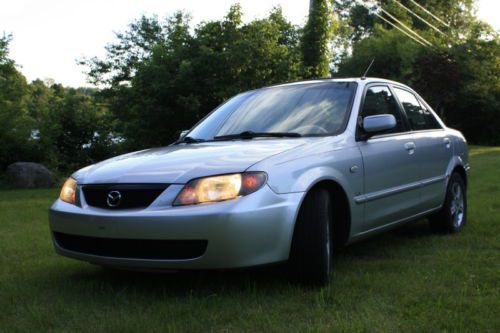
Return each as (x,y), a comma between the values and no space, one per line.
(311,129)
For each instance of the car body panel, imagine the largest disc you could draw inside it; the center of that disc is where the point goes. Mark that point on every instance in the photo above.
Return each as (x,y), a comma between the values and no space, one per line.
(434,151)
(391,175)
(181,163)
(253,230)
(336,159)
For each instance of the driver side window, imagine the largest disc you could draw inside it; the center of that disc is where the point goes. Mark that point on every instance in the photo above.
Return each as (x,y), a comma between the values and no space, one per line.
(379,100)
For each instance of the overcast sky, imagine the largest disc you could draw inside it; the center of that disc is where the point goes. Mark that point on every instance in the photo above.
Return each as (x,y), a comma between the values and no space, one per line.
(50,35)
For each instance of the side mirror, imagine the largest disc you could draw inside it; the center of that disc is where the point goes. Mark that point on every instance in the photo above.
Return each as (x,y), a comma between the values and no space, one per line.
(183,134)
(379,123)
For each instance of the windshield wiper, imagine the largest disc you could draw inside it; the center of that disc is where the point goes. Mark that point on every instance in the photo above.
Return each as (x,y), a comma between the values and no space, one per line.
(188,139)
(251,135)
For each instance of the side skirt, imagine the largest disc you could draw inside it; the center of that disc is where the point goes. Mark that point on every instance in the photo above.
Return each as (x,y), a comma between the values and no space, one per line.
(391,225)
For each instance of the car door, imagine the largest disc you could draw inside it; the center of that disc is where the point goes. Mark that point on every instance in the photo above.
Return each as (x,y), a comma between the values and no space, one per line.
(433,145)
(390,170)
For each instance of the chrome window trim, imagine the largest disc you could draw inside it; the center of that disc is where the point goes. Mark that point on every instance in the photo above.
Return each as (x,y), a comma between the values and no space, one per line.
(429,130)
(388,135)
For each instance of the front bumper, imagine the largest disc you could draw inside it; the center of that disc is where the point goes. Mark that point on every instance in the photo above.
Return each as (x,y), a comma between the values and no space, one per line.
(252,230)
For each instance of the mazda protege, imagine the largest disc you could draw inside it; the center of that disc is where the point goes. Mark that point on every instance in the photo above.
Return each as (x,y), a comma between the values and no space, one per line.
(285,173)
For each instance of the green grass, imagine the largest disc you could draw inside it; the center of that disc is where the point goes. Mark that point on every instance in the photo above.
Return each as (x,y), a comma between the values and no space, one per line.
(408,280)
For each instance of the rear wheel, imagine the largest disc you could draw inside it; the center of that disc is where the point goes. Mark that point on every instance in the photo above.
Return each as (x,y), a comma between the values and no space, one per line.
(311,252)
(453,215)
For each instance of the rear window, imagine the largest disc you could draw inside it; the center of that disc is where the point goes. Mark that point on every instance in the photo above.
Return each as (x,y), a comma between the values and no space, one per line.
(419,117)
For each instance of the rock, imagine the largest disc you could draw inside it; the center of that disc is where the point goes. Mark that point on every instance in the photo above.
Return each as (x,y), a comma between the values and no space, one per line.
(29,175)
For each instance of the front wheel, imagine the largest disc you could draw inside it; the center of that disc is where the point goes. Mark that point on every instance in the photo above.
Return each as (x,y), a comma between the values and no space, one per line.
(453,215)
(311,252)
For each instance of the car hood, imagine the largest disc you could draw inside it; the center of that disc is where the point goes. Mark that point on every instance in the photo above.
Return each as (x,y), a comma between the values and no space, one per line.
(181,163)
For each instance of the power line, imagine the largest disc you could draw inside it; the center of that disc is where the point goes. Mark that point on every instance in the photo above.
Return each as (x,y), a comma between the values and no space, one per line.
(428,12)
(415,37)
(398,28)
(406,27)
(419,17)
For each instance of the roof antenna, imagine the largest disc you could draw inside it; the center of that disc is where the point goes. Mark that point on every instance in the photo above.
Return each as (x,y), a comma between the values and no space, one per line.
(368,69)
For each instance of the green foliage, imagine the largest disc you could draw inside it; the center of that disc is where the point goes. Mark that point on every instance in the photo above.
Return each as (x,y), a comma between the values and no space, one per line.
(458,76)
(4,50)
(73,129)
(393,52)
(63,128)
(475,107)
(457,14)
(182,75)
(15,123)
(316,37)
(135,46)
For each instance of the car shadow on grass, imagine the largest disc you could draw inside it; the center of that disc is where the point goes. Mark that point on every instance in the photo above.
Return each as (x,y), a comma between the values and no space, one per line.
(271,279)
(202,283)
(402,241)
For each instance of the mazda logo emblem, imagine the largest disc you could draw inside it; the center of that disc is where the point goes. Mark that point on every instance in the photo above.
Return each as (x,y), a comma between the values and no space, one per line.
(114,199)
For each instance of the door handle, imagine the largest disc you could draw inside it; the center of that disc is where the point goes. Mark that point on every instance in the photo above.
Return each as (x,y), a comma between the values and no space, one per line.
(410,147)
(447,142)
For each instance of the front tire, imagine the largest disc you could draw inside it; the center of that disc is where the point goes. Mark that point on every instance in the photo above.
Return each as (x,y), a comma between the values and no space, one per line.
(311,252)
(453,215)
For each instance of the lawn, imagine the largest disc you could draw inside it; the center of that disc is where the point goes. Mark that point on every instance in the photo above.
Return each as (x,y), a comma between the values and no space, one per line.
(408,280)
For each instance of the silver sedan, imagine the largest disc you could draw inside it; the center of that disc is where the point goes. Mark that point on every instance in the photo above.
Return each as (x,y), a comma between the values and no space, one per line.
(283,173)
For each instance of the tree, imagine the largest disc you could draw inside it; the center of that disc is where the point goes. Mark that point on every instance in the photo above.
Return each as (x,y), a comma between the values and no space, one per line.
(316,38)
(457,75)
(458,15)
(460,79)
(15,123)
(123,58)
(394,55)
(158,83)
(73,128)
(465,84)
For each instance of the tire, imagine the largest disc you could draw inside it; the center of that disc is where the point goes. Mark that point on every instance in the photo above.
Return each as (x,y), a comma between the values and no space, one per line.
(311,252)
(453,215)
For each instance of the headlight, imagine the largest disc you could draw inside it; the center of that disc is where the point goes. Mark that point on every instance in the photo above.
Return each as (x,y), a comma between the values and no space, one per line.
(219,188)
(68,191)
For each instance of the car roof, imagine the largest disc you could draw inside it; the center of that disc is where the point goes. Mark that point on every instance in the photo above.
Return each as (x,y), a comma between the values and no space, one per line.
(363,80)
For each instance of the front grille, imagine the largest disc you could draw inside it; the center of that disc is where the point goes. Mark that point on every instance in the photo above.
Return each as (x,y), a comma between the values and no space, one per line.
(130,195)
(132,248)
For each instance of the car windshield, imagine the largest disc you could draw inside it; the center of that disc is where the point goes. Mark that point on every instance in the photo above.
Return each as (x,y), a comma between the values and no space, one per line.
(306,109)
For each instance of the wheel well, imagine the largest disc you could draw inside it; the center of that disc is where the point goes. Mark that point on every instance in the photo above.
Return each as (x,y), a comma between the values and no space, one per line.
(461,171)
(341,227)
